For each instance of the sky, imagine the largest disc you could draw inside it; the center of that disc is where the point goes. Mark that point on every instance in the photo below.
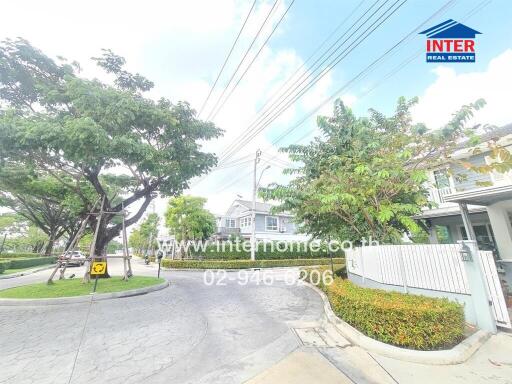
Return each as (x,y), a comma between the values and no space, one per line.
(181,46)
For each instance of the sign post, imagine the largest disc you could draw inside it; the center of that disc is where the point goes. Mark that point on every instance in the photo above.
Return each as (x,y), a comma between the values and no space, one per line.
(159,255)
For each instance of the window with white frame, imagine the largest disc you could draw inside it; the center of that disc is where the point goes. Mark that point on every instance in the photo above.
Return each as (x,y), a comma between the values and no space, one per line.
(245,222)
(230,223)
(271,223)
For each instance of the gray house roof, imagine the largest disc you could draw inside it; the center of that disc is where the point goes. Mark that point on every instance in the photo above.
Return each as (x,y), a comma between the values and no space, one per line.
(260,207)
(493,134)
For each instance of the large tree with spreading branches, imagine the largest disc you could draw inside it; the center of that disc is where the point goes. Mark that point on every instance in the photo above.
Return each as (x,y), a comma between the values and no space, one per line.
(97,134)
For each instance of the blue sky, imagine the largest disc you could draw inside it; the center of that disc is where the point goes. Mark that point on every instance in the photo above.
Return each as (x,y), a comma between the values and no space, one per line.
(180,45)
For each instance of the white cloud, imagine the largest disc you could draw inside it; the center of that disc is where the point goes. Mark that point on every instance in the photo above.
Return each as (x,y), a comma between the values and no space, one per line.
(451,90)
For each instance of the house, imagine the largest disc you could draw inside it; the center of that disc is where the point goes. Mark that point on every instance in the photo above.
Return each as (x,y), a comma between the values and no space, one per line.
(269,226)
(473,205)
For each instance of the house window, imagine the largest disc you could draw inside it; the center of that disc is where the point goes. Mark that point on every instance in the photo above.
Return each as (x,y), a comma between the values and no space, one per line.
(484,236)
(442,179)
(245,222)
(231,223)
(271,223)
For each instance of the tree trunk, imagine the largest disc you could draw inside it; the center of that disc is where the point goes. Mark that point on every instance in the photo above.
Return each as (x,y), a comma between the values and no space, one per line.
(49,246)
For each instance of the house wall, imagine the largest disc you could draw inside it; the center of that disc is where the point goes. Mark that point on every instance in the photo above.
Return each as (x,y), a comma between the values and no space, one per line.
(471,178)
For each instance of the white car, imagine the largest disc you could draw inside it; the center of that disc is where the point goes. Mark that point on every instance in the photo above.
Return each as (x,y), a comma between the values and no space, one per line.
(76,258)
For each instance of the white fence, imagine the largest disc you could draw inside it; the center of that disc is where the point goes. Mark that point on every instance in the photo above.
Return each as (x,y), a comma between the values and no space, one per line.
(436,267)
(429,266)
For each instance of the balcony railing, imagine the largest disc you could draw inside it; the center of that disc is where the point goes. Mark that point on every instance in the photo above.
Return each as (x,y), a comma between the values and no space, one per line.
(227,230)
(437,194)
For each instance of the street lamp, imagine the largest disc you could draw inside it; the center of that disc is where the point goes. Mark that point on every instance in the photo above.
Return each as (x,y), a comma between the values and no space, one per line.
(253,219)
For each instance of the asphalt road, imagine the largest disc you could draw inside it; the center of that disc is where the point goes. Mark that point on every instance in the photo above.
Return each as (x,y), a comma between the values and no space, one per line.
(190,332)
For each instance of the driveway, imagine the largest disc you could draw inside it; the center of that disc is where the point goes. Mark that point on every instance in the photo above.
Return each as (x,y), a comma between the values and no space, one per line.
(184,333)
(192,332)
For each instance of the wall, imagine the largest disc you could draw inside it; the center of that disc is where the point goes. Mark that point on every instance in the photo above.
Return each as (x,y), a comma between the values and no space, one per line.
(465,300)
(472,178)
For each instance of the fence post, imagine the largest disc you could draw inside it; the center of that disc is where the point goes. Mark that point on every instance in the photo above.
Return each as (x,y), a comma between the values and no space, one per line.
(363,274)
(402,267)
(477,285)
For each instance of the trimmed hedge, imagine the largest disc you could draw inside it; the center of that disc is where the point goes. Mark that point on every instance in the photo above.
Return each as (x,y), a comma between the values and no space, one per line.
(18,255)
(19,263)
(241,264)
(294,250)
(410,321)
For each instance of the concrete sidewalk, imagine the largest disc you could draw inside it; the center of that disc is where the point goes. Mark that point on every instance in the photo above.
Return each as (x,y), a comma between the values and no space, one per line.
(492,363)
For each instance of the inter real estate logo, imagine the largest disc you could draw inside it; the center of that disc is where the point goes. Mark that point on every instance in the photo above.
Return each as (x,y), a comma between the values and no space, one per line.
(450,42)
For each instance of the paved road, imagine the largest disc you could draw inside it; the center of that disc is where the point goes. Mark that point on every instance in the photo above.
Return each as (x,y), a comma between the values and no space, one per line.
(189,332)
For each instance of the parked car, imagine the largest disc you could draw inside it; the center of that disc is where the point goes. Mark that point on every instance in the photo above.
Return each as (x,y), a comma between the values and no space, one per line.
(76,258)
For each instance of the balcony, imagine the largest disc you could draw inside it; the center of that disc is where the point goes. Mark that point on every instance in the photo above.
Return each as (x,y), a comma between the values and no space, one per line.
(227,230)
(437,195)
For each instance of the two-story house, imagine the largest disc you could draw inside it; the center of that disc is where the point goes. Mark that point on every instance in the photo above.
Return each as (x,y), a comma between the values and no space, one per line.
(238,221)
(483,199)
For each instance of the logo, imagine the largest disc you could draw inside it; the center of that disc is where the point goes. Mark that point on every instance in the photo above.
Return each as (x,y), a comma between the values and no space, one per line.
(450,42)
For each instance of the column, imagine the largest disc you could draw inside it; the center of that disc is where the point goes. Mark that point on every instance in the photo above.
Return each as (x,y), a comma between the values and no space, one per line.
(478,287)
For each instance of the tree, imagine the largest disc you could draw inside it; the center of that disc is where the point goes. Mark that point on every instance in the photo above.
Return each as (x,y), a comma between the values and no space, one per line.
(43,200)
(187,218)
(56,122)
(367,176)
(145,237)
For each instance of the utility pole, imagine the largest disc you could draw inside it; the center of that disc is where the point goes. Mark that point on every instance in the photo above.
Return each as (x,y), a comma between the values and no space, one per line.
(253,215)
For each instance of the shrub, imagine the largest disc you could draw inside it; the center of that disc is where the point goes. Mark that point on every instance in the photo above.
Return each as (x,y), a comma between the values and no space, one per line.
(17,255)
(240,264)
(32,262)
(410,321)
(4,264)
(268,251)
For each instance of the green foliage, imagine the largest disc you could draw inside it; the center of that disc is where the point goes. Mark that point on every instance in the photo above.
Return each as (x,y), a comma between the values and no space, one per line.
(410,321)
(3,266)
(145,237)
(242,264)
(365,176)
(18,255)
(55,122)
(187,218)
(19,262)
(275,251)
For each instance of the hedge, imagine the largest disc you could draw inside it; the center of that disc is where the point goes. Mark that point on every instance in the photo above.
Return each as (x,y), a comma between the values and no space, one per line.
(410,321)
(18,255)
(19,263)
(294,250)
(241,264)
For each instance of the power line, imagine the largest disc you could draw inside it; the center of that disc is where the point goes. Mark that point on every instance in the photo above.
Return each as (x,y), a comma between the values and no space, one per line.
(227,58)
(475,10)
(252,61)
(362,37)
(243,58)
(233,144)
(362,73)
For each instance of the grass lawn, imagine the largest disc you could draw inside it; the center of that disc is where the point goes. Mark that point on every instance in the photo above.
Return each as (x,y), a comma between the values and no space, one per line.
(75,287)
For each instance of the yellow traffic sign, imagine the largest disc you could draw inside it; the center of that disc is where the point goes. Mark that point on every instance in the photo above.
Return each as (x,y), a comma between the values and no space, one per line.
(98,267)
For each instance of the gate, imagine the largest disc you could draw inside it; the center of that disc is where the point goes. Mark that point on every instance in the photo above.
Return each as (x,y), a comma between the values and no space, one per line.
(499,306)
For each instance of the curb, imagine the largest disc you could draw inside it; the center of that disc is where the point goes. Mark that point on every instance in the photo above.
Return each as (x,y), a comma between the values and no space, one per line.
(457,355)
(25,273)
(84,299)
